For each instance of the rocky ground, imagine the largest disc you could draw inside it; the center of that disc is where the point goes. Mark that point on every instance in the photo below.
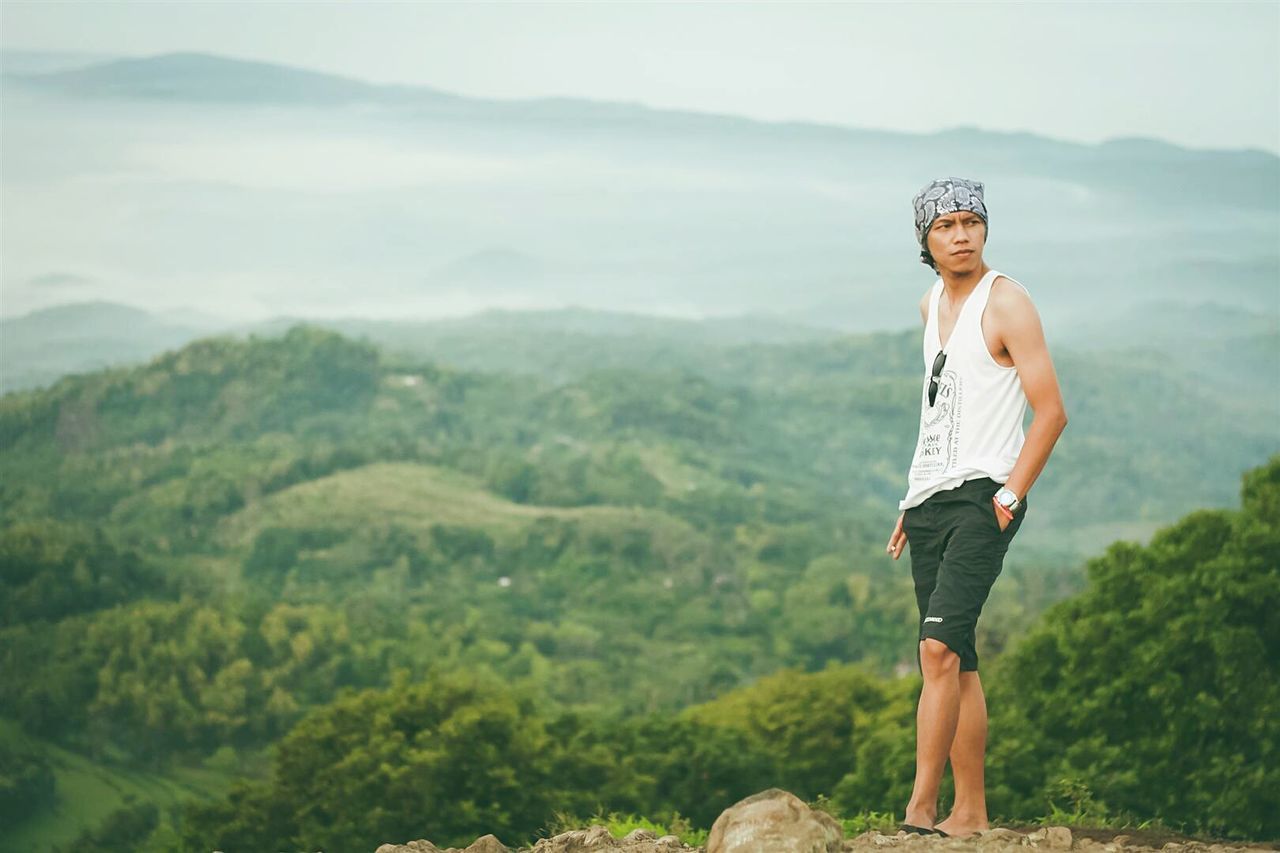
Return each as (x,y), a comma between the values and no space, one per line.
(775,820)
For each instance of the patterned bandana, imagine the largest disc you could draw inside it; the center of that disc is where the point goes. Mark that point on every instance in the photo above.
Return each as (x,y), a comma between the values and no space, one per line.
(943,196)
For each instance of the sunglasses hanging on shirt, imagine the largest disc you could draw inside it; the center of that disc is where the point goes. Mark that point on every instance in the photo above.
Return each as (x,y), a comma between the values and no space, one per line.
(937,371)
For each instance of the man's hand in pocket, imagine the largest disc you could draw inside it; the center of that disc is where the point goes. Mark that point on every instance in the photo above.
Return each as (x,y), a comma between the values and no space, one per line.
(1001,519)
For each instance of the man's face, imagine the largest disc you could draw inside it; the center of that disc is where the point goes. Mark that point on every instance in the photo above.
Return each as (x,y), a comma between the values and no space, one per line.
(956,241)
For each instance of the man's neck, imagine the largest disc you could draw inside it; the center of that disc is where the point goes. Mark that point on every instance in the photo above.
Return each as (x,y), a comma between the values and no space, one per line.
(960,285)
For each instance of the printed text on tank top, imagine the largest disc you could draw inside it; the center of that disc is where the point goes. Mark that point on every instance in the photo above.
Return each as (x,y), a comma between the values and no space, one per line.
(999,354)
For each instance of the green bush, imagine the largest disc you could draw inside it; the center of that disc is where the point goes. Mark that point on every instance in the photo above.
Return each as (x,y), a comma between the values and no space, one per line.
(1158,688)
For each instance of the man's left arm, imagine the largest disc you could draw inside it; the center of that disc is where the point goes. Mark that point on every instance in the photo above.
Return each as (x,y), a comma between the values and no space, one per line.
(1023,338)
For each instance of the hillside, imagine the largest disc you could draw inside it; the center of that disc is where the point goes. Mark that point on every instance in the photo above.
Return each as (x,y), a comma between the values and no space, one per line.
(206,557)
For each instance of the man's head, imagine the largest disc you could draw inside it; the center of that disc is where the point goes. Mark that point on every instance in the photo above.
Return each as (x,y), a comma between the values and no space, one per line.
(951,217)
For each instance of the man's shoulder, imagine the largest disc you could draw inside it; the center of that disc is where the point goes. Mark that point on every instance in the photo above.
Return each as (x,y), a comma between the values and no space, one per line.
(1009,292)
(1008,284)
(1010,305)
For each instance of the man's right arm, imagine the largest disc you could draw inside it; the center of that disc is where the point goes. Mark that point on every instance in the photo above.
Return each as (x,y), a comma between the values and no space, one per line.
(898,539)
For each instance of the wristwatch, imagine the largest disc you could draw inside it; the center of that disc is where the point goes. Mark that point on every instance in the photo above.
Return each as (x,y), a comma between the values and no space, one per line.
(1008,499)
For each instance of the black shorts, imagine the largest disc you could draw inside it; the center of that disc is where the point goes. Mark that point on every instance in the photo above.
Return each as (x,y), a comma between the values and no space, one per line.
(957,551)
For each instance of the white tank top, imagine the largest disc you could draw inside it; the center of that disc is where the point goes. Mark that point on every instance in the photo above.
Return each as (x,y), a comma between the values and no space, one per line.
(974,428)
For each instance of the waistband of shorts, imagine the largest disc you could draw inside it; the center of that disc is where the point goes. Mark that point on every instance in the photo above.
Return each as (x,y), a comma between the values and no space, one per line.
(979,483)
(969,489)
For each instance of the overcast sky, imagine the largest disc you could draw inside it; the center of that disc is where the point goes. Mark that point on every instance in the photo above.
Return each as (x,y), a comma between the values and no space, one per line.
(1204,75)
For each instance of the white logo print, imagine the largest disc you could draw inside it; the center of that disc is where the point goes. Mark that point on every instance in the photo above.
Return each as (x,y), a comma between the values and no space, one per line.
(938,444)
(933,618)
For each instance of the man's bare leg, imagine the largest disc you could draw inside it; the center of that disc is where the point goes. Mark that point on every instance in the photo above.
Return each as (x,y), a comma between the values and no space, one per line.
(968,756)
(937,718)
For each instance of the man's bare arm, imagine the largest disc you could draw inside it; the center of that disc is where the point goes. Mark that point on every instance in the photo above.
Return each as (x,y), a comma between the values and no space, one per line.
(1023,337)
(898,539)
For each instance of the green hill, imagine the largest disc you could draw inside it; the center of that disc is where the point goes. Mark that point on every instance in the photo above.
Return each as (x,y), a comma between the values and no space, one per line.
(199,552)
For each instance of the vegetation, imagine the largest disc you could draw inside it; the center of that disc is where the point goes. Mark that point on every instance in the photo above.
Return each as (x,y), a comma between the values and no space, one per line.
(288,594)
(1157,691)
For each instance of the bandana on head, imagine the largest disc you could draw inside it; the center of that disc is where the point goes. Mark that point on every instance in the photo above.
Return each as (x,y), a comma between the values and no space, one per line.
(943,196)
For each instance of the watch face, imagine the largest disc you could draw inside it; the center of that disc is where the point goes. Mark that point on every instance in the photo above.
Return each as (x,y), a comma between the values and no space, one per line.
(1005,497)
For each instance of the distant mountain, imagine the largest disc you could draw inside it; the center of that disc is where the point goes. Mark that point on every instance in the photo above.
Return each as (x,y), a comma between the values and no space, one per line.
(77,321)
(1165,322)
(190,76)
(740,328)
(276,189)
(195,76)
(39,348)
(1222,343)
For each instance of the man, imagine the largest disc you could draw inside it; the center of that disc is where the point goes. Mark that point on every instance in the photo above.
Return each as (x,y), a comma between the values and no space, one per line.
(985,360)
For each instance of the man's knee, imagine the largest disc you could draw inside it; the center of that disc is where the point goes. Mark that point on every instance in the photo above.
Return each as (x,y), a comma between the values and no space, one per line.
(937,656)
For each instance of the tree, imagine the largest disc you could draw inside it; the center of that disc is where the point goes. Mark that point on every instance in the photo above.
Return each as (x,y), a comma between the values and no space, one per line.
(1159,686)
(449,759)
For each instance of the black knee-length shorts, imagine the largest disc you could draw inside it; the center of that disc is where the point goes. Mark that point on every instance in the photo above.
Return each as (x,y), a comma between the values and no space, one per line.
(957,552)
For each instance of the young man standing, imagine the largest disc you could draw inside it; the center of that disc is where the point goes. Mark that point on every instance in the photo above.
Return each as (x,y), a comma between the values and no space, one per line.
(985,360)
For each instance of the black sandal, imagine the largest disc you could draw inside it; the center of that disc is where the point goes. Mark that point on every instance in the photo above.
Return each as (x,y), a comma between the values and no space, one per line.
(921,830)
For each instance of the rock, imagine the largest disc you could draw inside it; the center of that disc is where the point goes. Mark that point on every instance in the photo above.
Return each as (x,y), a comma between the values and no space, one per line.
(487,844)
(642,834)
(774,820)
(1033,839)
(419,846)
(1121,840)
(1000,835)
(1058,838)
(599,836)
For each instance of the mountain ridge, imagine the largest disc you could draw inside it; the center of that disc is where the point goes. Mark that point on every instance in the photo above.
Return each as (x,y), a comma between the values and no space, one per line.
(154,76)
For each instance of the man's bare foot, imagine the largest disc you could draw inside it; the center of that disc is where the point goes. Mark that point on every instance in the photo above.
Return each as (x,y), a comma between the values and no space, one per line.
(957,828)
(920,818)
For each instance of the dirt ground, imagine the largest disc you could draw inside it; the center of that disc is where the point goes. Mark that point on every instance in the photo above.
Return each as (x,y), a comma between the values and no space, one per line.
(1156,838)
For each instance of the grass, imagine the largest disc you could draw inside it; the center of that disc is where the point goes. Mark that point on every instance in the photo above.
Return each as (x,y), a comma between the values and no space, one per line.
(1085,819)
(883,822)
(417,496)
(89,790)
(619,825)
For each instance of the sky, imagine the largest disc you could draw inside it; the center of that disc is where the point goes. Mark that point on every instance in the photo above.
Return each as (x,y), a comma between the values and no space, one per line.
(1202,75)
